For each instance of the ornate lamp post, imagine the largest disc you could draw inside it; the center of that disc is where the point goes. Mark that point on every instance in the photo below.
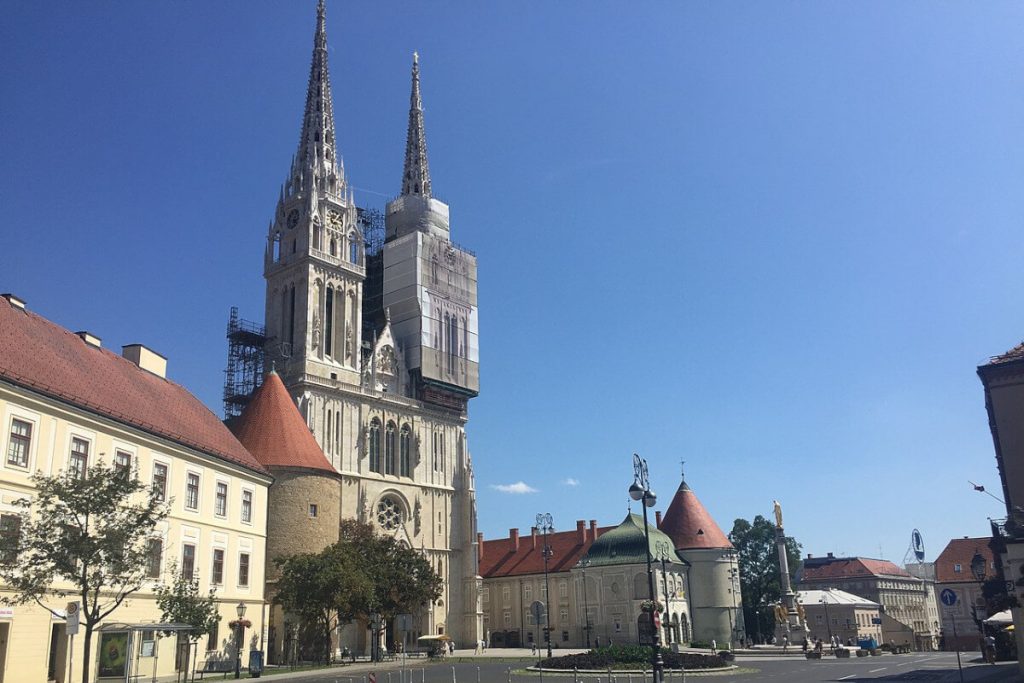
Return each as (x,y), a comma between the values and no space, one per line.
(640,490)
(828,622)
(583,564)
(545,524)
(240,611)
(662,549)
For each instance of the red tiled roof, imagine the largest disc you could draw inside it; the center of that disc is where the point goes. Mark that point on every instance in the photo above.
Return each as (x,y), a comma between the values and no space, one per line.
(688,523)
(849,567)
(273,430)
(499,557)
(44,357)
(1016,353)
(960,551)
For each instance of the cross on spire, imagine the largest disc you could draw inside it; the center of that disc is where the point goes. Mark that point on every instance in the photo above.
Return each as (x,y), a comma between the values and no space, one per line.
(416,174)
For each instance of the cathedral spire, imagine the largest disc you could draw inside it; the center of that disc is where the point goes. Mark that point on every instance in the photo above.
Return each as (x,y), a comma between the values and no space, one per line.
(316,157)
(416,176)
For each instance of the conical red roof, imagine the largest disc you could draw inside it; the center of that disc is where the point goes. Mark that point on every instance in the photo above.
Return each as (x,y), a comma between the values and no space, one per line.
(272,429)
(688,523)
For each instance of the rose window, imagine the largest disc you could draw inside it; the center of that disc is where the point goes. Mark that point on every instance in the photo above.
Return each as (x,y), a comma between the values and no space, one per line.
(389,513)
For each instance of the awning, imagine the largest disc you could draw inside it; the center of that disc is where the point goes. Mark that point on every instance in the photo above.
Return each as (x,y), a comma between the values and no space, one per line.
(1000,619)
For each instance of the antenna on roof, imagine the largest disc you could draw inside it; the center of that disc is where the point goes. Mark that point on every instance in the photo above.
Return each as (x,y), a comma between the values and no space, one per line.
(682,469)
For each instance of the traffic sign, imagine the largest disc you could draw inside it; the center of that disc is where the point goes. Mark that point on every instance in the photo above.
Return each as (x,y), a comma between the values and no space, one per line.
(948,597)
(538,610)
(72,611)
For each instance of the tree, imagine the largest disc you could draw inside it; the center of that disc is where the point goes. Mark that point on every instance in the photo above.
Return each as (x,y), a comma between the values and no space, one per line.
(403,580)
(759,571)
(181,602)
(89,532)
(323,589)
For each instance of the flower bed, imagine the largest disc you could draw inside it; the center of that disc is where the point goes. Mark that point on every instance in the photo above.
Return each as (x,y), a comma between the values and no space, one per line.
(631,657)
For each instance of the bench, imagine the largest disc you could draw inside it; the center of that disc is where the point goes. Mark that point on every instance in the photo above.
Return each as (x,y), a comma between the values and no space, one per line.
(216,666)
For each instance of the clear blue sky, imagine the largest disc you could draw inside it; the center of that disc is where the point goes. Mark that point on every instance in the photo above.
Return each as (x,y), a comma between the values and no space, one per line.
(771,239)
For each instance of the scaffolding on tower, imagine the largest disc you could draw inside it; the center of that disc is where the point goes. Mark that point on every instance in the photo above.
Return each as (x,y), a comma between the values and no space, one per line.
(244,372)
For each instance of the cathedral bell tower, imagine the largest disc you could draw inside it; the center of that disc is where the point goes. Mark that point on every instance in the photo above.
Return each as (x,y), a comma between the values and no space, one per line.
(429,281)
(315,258)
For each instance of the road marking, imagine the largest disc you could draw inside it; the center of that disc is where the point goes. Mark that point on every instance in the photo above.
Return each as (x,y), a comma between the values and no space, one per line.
(850,676)
(874,670)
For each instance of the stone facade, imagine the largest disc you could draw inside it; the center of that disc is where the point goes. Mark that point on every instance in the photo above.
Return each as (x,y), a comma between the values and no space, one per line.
(847,616)
(377,344)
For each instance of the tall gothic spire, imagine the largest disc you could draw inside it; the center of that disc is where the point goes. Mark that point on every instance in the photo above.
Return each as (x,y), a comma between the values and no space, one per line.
(317,153)
(416,176)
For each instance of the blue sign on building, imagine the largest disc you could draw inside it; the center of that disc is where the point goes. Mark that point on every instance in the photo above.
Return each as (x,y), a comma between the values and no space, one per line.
(947,597)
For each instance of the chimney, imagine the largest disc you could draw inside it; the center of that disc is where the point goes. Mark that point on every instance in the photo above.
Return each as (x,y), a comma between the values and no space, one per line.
(146,358)
(479,546)
(809,556)
(14,300)
(533,534)
(831,556)
(514,535)
(593,530)
(90,339)
(581,532)
(657,519)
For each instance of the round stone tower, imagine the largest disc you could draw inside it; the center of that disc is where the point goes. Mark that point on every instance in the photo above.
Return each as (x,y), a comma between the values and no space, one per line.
(715,600)
(305,499)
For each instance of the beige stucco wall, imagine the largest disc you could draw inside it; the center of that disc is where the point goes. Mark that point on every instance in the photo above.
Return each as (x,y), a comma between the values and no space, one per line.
(54,424)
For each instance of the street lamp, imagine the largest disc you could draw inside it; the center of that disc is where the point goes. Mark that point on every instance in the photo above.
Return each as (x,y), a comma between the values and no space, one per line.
(828,622)
(662,549)
(240,611)
(640,490)
(978,565)
(583,564)
(544,525)
(733,625)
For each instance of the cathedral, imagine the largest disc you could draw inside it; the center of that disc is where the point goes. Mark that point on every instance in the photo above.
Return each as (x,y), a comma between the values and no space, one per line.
(375,340)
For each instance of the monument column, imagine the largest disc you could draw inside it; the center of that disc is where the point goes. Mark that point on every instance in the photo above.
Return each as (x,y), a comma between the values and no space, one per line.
(792,624)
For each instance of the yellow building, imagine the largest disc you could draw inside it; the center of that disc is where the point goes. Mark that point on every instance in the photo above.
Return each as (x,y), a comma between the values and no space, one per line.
(65,401)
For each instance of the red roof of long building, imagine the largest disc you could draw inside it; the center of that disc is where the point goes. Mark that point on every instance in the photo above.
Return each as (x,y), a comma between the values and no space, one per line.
(688,523)
(960,551)
(273,430)
(848,567)
(518,555)
(40,355)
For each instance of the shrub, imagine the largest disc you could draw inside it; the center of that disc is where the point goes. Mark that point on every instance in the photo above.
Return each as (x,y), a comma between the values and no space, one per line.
(631,657)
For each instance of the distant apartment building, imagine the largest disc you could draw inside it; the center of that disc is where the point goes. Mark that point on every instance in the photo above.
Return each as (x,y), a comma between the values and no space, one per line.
(954,571)
(833,612)
(65,403)
(902,597)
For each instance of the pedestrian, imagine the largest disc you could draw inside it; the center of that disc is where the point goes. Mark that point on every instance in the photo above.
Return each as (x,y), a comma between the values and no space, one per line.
(990,649)
(805,646)
(785,642)
(714,646)
(597,642)
(533,648)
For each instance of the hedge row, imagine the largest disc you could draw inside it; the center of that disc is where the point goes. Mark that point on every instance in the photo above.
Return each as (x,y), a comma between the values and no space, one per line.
(632,657)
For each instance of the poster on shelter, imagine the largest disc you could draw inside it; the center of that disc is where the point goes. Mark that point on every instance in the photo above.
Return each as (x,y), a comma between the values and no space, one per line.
(113,654)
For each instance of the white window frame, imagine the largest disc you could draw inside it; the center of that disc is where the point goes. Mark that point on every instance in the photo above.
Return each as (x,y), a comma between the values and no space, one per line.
(223,566)
(167,480)
(238,570)
(252,505)
(227,497)
(199,491)
(34,419)
(195,556)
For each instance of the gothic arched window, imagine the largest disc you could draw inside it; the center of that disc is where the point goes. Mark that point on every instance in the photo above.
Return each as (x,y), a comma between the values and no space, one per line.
(277,247)
(374,445)
(317,237)
(334,247)
(389,449)
(353,248)
(329,323)
(405,452)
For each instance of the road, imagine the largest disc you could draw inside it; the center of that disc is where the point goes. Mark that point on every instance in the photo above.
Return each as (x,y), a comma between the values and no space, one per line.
(933,667)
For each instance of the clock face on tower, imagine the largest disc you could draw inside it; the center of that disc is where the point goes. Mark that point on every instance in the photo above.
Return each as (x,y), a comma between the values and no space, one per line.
(293,218)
